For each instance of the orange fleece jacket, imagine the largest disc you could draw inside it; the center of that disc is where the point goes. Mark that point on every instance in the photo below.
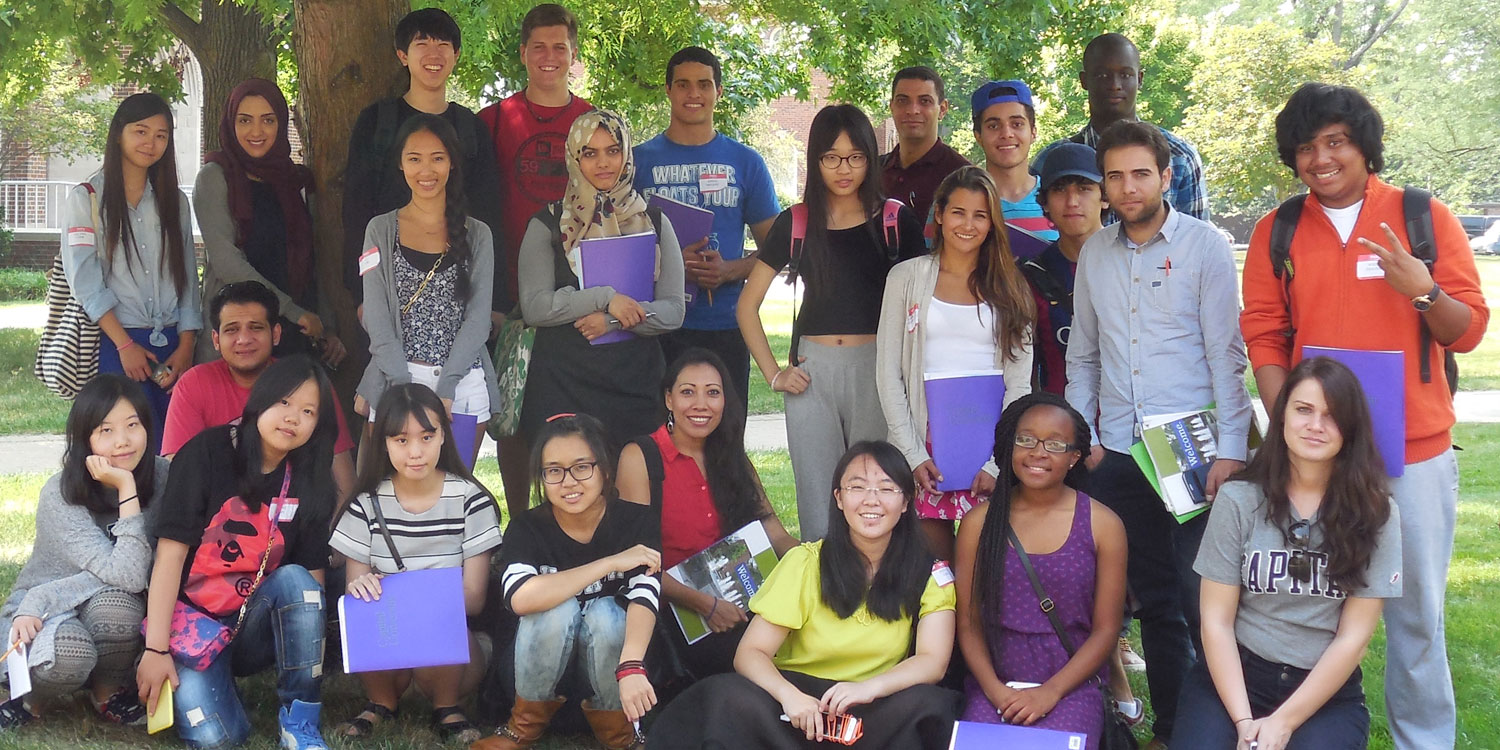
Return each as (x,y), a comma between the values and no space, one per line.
(1332,307)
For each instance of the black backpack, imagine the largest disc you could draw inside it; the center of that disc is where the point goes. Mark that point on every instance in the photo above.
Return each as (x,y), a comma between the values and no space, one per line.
(1416,206)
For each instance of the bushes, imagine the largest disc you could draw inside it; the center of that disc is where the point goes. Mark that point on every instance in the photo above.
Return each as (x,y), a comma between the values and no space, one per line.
(20,285)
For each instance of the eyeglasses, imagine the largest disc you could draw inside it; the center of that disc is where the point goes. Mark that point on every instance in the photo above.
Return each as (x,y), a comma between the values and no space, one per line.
(860,492)
(1028,442)
(1300,565)
(581,471)
(855,160)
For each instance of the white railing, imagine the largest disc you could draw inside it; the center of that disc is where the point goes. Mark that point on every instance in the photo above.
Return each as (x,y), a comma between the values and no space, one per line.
(37,205)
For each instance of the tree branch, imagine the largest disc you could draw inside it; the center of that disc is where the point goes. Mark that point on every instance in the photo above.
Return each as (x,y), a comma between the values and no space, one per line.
(182,25)
(1374,36)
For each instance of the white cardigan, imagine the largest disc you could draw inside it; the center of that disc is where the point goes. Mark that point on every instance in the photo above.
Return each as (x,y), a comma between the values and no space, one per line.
(898,359)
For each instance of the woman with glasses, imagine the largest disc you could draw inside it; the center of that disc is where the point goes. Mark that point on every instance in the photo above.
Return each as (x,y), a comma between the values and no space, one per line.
(1298,555)
(858,624)
(964,307)
(840,244)
(582,570)
(1021,670)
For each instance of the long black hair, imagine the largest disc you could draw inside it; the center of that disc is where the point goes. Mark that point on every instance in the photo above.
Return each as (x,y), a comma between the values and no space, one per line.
(1356,503)
(827,125)
(737,493)
(994,536)
(456,201)
(592,433)
(895,592)
(94,402)
(312,459)
(397,404)
(163,179)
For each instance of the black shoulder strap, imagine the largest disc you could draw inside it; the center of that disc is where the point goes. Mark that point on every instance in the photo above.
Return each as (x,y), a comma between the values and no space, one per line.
(1047,605)
(1282,229)
(654,213)
(468,130)
(655,470)
(1416,207)
(1046,285)
(386,532)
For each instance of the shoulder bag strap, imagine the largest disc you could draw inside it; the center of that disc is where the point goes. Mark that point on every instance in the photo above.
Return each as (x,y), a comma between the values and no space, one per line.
(1041,594)
(386,532)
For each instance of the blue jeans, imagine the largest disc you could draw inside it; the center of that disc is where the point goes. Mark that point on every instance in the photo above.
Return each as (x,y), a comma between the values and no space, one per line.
(109,361)
(283,628)
(1343,723)
(1161,578)
(547,641)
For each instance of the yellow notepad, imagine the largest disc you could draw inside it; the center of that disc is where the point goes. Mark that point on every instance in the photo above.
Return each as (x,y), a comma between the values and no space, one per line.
(161,718)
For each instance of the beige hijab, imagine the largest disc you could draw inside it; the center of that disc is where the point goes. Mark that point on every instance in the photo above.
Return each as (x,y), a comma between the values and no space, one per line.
(589,212)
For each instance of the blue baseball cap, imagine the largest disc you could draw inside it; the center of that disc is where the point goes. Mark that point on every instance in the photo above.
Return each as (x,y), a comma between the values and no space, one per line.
(996,92)
(1065,159)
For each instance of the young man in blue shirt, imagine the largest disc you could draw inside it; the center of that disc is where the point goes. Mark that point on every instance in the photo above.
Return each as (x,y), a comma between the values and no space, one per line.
(693,163)
(1005,126)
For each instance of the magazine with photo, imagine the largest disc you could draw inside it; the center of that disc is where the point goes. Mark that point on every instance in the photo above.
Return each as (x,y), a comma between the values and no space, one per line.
(1180,448)
(731,569)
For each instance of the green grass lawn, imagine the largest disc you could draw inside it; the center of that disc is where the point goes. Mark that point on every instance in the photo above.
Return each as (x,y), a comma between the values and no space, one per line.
(1473,598)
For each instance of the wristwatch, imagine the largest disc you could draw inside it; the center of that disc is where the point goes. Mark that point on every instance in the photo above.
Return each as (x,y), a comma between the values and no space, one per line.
(1424,302)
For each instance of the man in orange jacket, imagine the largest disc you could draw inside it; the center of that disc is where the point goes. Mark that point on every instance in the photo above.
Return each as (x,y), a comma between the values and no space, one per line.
(1353,283)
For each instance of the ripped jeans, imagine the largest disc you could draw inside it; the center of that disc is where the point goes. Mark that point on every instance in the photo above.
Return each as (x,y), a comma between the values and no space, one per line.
(283,628)
(547,641)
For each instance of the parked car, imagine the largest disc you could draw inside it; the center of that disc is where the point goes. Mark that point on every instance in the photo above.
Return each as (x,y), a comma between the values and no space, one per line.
(1487,243)
(1475,225)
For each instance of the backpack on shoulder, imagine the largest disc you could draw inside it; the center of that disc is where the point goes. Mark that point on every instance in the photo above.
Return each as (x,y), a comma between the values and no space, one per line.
(890,234)
(1416,207)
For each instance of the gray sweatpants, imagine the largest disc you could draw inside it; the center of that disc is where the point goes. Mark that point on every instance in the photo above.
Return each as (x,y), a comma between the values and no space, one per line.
(1418,687)
(838,409)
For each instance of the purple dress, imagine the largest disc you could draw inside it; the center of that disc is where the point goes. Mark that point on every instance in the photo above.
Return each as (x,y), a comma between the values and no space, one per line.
(1028,648)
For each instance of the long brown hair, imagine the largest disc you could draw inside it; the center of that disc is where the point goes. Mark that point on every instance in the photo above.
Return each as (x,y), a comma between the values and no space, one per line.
(1356,503)
(163,178)
(996,279)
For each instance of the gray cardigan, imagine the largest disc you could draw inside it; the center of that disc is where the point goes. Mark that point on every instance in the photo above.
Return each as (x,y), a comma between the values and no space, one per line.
(898,359)
(73,559)
(382,316)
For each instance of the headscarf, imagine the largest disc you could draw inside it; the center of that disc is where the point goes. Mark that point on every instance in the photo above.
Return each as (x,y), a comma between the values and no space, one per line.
(286,178)
(587,212)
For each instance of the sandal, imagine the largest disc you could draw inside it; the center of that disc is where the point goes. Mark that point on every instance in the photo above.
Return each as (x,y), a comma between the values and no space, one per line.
(462,730)
(124,708)
(360,727)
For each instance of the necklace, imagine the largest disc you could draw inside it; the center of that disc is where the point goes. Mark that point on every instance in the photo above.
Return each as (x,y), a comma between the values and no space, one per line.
(543,120)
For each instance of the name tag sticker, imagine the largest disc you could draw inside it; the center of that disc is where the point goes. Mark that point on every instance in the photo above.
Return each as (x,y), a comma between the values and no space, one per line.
(911,319)
(942,574)
(288,510)
(712,183)
(1368,267)
(369,260)
(81,236)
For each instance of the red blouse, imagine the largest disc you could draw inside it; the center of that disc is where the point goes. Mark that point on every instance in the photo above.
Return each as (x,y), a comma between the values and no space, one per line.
(689,520)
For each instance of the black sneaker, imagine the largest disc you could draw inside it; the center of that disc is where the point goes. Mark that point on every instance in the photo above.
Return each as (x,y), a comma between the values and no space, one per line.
(13,714)
(124,708)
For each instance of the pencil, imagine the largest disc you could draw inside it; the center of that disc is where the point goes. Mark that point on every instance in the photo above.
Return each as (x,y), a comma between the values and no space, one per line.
(10,650)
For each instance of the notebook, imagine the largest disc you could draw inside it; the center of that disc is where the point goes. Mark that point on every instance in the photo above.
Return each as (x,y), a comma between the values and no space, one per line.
(419,621)
(969,735)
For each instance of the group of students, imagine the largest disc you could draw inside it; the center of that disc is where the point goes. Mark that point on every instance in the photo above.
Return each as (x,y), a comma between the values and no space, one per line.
(631,454)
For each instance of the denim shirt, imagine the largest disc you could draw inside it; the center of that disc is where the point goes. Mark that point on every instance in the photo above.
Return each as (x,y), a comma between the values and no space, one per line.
(1156,331)
(140,292)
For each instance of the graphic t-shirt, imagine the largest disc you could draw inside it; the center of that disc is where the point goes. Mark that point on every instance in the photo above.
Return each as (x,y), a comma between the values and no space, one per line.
(226,537)
(723,176)
(1027,214)
(531,150)
(208,396)
(1054,318)
(536,546)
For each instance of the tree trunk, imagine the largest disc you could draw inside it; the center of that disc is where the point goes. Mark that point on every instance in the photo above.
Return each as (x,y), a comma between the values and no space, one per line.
(345,63)
(232,42)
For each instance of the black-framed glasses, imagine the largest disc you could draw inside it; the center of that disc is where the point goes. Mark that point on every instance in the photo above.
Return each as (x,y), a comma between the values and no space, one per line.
(856,160)
(1300,565)
(1027,442)
(582,471)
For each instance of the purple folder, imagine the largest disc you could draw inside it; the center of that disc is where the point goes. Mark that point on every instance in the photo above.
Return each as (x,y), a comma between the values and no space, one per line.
(1024,244)
(962,411)
(627,263)
(972,735)
(1382,375)
(418,622)
(690,223)
(464,427)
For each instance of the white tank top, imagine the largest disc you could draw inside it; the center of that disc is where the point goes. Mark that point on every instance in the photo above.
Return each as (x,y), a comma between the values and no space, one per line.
(959,337)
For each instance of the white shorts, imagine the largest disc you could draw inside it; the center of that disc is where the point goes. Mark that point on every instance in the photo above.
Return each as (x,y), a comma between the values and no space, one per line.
(472,397)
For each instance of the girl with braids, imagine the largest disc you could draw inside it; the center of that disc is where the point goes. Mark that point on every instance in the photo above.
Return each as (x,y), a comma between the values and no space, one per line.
(428,271)
(694,471)
(128,254)
(1020,671)
(1299,553)
(859,623)
(963,307)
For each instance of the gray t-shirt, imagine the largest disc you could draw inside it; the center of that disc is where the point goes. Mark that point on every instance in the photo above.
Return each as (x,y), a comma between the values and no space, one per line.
(1281,618)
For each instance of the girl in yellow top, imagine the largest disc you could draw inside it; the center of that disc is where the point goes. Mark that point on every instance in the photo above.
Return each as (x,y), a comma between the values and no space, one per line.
(860,623)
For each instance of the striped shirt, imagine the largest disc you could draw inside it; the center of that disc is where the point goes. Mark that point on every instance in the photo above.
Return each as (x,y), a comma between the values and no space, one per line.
(1027,214)
(536,546)
(461,524)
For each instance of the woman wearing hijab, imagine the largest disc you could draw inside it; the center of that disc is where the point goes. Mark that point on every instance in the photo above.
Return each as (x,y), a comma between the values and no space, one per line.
(614,382)
(252,210)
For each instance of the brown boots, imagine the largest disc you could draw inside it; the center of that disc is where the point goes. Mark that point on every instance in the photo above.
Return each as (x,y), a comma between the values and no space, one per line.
(528,720)
(613,729)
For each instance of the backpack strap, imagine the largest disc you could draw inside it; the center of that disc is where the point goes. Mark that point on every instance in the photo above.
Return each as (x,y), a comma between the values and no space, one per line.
(1282,229)
(799,238)
(1416,206)
(656,471)
(1046,285)
(889,216)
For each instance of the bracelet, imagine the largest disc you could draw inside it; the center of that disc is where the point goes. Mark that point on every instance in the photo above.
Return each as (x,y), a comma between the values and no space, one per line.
(773,379)
(128,343)
(712,609)
(126,500)
(161,651)
(628,668)
(1247,718)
